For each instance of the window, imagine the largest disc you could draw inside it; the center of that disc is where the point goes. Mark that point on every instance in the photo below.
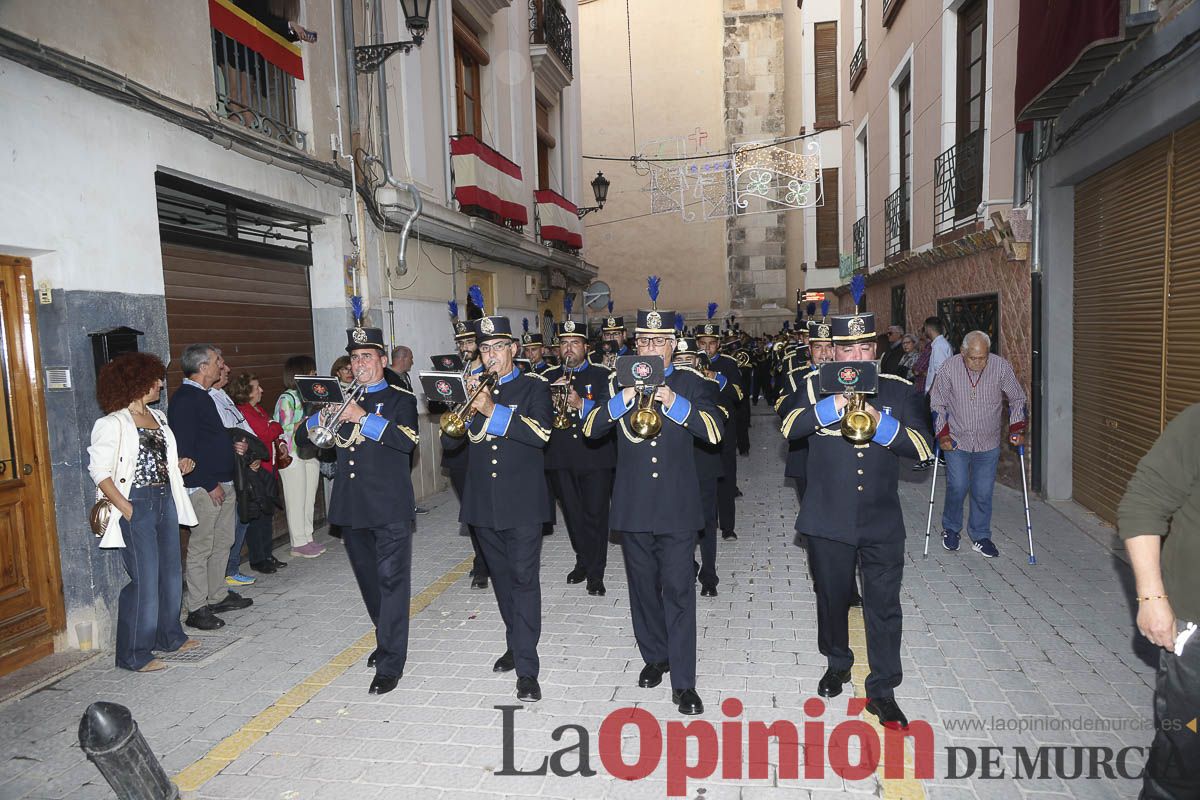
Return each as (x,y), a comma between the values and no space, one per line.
(962,315)
(469,57)
(827,220)
(825,66)
(546,144)
(899,306)
(972,64)
(904,145)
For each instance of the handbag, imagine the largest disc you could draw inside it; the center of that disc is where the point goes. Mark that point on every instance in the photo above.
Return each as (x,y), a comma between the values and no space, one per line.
(102,509)
(283,459)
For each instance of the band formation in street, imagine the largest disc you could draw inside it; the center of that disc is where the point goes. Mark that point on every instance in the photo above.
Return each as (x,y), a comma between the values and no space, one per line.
(637,441)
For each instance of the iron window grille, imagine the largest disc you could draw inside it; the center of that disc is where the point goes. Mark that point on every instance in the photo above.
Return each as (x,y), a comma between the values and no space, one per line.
(895,212)
(254,92)
(958,183)
(899,305)
(860,242)
(961,315)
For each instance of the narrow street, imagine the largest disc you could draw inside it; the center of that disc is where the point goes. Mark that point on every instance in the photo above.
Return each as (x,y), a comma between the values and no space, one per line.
(275,705)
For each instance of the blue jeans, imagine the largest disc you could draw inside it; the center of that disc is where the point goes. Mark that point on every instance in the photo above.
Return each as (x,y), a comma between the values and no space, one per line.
(235,552)
(974,473)
(148,608)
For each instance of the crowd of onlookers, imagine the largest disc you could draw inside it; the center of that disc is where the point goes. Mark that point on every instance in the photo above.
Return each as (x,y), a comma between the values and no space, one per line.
(219,463)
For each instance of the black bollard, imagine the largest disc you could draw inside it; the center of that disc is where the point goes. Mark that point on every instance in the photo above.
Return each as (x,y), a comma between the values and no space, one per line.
(111,739)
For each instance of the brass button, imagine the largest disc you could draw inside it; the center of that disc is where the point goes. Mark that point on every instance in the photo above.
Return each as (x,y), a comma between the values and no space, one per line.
(494,461)
(496,392)
(860,488)
(495,447)
(654,460)
(654,444)
(654,475)
(350,462)
(860,472)
(493,475)
(574,435)
(860,455)
(351,474)
(351,449)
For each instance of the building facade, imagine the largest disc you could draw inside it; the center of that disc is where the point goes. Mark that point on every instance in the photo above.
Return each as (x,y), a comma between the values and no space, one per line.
(182,171)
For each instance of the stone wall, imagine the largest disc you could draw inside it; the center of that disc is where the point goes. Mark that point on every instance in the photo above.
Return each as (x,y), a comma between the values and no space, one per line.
(754,110)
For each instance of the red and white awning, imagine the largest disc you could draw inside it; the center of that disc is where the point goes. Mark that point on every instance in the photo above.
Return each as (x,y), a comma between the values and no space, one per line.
(484,178)
(558,219)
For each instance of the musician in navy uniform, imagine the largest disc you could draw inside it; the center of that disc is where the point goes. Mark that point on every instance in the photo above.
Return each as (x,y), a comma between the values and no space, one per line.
(533,348)
(820,344)
(851,514)
(455,454)
(505,499)
(612,330)
(373,499)
(581,469)
(656,506)
(708,338)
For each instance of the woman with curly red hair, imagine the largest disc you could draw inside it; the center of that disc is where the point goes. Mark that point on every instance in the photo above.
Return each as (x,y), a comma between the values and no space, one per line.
(134,463)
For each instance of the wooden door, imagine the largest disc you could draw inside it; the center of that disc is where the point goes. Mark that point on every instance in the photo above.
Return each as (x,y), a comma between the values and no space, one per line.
(31,603)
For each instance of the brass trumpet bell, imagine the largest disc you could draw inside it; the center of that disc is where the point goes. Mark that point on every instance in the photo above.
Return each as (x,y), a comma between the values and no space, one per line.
(646,421)
(858,426)
(562,415)
(454,423)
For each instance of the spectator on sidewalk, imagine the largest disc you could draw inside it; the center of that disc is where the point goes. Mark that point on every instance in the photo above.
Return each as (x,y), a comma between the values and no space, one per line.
(1159,519)
(259,509)
(911,351)
(890,363)
(134,463)
(939,349)
(402,362)
(233,418)
(302,477)
(342,371)
(202,437)
(966,403)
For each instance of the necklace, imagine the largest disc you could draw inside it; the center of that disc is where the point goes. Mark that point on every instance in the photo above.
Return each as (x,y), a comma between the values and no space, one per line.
(974,383)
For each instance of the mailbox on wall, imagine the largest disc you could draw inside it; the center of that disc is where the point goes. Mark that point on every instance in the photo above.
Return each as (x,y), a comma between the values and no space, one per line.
(107,345)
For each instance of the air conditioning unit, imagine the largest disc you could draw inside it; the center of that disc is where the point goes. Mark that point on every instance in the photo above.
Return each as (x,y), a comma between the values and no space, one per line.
(531,284)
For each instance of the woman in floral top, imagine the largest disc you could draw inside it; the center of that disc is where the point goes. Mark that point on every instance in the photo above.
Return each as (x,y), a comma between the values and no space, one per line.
(301,478)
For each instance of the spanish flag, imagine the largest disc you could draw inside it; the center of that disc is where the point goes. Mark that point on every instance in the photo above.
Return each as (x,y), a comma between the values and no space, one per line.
(244,27)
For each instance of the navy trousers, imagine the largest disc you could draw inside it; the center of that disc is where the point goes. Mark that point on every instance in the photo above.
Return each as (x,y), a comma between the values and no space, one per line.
(148,606)
(458,480)
(708,536)
(727,484)
(584,497)
(381,559)
(514,557)
(662,599)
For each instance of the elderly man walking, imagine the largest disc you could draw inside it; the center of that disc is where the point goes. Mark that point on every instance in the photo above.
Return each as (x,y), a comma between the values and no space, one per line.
(966,403)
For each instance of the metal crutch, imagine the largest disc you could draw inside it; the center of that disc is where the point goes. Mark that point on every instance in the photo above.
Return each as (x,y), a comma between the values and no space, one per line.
(932,490)
(1025,494)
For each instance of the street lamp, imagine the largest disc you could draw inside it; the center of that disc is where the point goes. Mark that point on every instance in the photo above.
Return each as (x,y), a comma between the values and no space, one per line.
(600,186)
(369,57)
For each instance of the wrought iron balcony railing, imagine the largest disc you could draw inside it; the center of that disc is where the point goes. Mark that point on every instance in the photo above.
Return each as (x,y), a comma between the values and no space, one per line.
(895,216)
(858,64)
(890,9)
(860,242)
(549,25)
(958,183)
(254,92)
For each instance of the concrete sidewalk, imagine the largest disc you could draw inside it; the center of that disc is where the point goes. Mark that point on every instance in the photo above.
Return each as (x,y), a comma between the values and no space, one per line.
(278,708)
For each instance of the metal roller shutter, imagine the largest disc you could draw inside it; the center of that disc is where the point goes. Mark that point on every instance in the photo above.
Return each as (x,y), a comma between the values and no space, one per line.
(1120,216)
(1183,299)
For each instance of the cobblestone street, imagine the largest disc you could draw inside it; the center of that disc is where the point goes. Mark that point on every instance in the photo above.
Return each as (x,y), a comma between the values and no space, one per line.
(277,706)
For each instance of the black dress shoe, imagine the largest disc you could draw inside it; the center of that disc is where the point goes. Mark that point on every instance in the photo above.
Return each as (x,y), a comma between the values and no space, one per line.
(889,714)
(505,663)
(577,575)
(652,674)
(856,600)
(528,690)
(382,684)
(831,682)
(687,701)
(278,564)
(232,602)
(708,591)
(596,588)
(479,582)
(371,659)
(728,535)
(204,619)
(265,567)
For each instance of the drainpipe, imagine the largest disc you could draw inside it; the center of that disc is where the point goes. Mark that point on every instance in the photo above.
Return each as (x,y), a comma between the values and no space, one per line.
(385,128)
(1037,425)
(443,83)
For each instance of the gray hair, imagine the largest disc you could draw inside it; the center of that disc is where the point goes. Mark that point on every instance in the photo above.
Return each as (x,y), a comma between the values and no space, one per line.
(908,337)
(399,350)
(976,336)
(895,329)
(196,356)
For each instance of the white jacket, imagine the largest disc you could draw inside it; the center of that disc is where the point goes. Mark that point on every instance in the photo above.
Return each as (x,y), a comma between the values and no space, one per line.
(119,427)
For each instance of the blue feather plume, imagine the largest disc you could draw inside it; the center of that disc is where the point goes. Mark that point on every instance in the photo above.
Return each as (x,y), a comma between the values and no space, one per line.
(824,308)
(525,324)
(712,310)
(475,295)
(610,306)
(811,309)
(453,306)
(356,309)
(858,287)
(568,303)
(679,322)
(652,285)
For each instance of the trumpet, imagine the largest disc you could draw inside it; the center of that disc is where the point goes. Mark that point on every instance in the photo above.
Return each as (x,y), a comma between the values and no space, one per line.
(858,426)
(324,434)
(646,421)
(560,393)
(454,422)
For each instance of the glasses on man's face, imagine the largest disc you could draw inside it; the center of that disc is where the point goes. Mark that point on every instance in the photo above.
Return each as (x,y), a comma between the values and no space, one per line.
(653,341)
(494,348)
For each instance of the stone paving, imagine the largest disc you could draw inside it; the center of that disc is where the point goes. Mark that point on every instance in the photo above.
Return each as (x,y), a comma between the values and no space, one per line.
(988,645)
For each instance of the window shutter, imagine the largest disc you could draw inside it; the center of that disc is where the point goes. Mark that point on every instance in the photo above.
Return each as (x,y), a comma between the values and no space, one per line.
(827,220)
(826,83)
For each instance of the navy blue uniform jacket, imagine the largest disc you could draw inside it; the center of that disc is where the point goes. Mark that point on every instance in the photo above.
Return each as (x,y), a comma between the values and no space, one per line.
(570,448)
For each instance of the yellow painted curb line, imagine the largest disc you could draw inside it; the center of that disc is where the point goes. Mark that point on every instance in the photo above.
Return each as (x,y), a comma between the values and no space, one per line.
(908,787)
(231,747)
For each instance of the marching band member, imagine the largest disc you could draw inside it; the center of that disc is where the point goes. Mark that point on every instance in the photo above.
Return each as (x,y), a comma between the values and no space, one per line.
(613,331)
(373,499)
(505,499)
(708,338)
(656,506)
(533,348)
(581,469)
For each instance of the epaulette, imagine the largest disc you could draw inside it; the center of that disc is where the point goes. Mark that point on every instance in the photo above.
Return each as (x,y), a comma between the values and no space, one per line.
(694,371)
(401,389)
(892,377)
(537,375)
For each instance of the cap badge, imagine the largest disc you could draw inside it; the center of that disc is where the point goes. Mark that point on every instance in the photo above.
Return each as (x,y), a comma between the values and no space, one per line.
(460,327)
(612,322)
(682,346)
(822,331)
(654,320)
(569,326)
(358,335)
(527,338)
(857,326)
(487,326)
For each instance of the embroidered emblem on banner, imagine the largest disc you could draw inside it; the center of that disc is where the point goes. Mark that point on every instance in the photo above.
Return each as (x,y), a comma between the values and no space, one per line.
(443,388)
(848,376)
(642,370)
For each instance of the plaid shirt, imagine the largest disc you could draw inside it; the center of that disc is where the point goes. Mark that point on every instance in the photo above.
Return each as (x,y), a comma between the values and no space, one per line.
(966,406)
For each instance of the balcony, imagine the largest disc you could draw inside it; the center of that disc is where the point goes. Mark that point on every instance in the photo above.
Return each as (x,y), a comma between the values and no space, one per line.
(556,221)
(896,228)
(253,92)
(890,9)
(858,65)
(550,47)
(860,243)
(486,184)
(958,183)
